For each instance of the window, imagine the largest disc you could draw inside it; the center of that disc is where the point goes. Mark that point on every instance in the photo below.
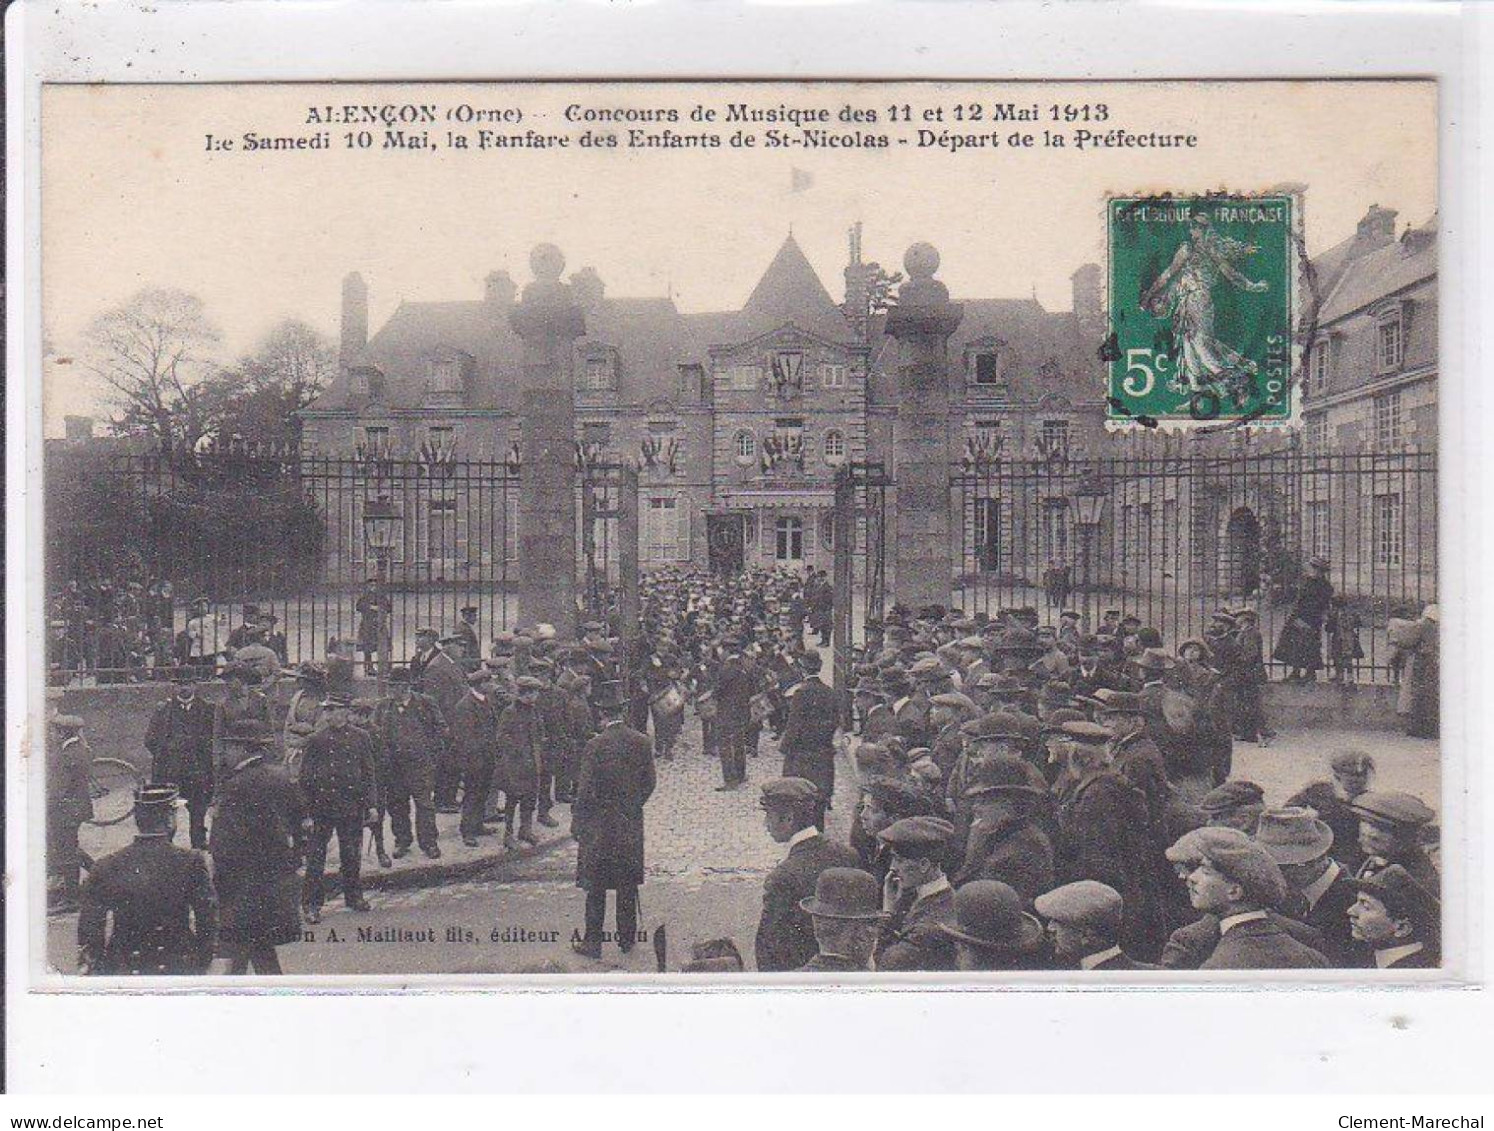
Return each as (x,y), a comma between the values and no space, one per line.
(442,440)
(439,533)
(376,443)
(784,447)
(1054,438)
(987,369)
(1317,432)
(743,378)
(746,446)
(835,446)
(988,438)
(827,532)
(1056,531)
(596,433)
(1389,533)
(1391,351)
(598,373)
(1387,420)
(666,530)
(1317,527)
(833,376)
(446,375)
(788,544)
(1319,379)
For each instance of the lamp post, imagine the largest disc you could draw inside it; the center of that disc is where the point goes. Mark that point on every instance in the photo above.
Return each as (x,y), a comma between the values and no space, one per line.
(1089,509)
(381,521)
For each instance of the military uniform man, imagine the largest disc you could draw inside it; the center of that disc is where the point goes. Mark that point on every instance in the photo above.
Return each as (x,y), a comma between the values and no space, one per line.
(413,740)
(917,897)
(180,740)
(149,908)
(340,780)
(785,935)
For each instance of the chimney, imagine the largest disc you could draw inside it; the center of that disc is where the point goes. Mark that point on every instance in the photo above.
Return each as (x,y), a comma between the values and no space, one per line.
(77,429)
(1378,226)
(858,276)
(354,317)
(587,288)
(499,289)
(1087,309)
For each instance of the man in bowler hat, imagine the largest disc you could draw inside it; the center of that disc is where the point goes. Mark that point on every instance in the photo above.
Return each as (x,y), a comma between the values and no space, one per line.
(847,916)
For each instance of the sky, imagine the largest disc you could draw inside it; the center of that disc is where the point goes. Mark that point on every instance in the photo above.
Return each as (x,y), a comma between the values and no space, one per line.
(131,196)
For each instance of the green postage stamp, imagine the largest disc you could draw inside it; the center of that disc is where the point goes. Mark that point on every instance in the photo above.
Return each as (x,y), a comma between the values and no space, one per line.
(1201,308)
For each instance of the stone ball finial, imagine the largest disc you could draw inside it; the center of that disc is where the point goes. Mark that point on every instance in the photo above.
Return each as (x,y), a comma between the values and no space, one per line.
(921,261)
(547,262)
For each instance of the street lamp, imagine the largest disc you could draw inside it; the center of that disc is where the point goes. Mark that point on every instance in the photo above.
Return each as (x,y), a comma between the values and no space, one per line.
(1089,510)
(381,523)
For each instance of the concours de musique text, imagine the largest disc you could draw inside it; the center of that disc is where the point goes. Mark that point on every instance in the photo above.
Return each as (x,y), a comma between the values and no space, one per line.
(948,127)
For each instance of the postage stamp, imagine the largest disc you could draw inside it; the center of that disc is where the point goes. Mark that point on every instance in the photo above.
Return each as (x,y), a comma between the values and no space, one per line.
(1201,307)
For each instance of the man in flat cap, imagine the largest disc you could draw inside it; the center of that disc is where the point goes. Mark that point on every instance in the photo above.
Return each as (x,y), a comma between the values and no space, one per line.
(1351,771)
(615,778)
(440,678)
(149,908)
(1234,805)
(69,805)
(846,914)
(1391,827)
(1084,921)
(884,800)
(1399,919)
(1235,880)
(521,759)
(1321,890)
(179,738)
(785,935)
(1103,835)
(990,931)
(339,777)
(808,742)
(917,896)
(257,844)
(413,740)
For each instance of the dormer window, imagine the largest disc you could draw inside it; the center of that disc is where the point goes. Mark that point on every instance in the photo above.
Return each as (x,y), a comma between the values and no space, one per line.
(987,368)
(599,372)
(446,374)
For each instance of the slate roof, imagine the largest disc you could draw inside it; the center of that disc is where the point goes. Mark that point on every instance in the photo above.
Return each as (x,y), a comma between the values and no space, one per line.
(1383,271)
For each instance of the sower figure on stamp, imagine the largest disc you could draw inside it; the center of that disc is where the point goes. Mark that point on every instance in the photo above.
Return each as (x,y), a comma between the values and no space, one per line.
(180,740)
(614,780)
(414,740)
(149,908)
(340,781)
(257,844)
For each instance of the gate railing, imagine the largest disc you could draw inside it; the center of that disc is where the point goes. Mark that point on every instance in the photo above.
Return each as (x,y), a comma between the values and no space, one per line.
(1171,540)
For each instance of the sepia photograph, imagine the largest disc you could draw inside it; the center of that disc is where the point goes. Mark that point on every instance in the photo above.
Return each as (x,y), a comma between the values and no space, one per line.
(764,533)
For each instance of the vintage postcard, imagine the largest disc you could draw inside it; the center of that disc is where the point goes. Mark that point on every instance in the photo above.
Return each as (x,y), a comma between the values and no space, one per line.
(749,532)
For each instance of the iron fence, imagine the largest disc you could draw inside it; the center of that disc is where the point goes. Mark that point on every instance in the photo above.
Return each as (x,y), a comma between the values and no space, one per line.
(1170,540)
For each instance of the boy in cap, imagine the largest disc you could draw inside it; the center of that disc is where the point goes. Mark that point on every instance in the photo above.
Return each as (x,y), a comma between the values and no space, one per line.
(1399,919)
(1391,825)
(847,916)
(917,897)
(149,908)
(1084,923)
(1235,880)
(785,935)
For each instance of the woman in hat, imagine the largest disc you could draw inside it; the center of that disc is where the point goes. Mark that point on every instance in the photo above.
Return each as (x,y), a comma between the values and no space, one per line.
(1300,645)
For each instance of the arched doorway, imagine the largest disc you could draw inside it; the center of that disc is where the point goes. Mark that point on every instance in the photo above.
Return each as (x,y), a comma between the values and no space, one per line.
(1242,552)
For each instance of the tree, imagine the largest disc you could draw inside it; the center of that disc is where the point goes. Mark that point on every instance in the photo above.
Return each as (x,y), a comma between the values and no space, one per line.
(154,353)
(290,368)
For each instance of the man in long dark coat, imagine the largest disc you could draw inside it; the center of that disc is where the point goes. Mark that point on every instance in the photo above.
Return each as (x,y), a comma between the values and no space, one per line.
(808,743)
(180,740)
(737,681)
(256,846)
(474,740)
(1300,645)
(441,678)
(339,777)
(1105,835)
(614,781)
(521,755)
(414,742)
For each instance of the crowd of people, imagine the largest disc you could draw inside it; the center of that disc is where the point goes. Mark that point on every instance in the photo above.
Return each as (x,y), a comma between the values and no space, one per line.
(1029,796)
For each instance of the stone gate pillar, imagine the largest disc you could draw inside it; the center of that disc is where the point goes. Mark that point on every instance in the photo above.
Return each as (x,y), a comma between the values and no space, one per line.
(547,321)
(922,322)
